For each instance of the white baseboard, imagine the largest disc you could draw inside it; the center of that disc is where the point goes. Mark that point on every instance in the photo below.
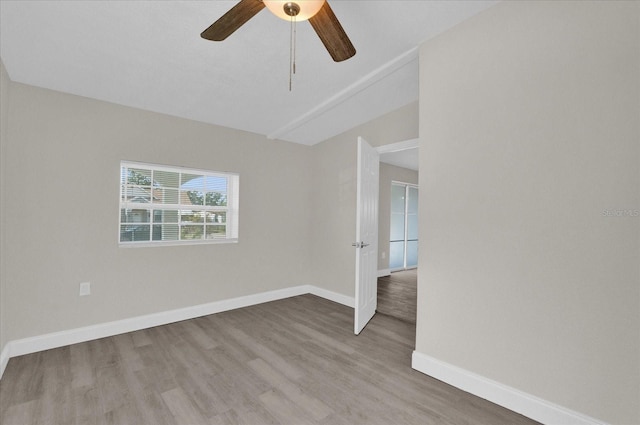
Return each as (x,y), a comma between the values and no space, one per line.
(384,272)
(333,296)
(73,336)
(518,401)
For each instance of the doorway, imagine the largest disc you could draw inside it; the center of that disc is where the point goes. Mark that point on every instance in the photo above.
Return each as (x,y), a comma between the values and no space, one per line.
(397,273)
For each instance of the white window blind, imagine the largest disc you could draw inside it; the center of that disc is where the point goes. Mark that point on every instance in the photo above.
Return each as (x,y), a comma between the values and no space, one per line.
(163,205)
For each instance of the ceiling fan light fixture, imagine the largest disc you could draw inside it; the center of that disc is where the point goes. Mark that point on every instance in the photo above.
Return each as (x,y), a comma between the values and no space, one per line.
(307,8)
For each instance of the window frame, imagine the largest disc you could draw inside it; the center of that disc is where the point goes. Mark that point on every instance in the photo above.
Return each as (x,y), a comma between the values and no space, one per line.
(231,210)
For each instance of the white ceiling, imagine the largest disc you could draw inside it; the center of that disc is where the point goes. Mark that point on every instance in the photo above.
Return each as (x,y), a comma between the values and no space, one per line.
(149,55)
(407,158)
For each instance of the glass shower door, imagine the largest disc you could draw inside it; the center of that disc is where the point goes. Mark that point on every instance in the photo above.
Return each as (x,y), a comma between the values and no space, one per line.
(396,240)
(411,250)
(403,241)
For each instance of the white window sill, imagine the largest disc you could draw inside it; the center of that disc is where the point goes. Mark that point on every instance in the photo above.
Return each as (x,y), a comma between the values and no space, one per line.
(175,243)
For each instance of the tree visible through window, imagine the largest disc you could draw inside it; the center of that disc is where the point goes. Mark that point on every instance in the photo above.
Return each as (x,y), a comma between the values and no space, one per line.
(160,204)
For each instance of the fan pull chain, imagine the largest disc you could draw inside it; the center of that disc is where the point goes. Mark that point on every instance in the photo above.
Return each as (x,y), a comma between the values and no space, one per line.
(292,50)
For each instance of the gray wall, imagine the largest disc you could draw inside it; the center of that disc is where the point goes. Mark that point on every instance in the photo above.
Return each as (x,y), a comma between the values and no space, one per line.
(529,123)
(4,121)
(63,152)
(61,168)
(388,174)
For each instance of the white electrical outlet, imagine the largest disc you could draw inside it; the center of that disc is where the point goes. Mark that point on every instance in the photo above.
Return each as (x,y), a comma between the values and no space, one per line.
(85,289)
(384,255)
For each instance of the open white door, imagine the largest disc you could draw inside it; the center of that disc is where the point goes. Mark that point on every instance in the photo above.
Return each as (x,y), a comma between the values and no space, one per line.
(366,234)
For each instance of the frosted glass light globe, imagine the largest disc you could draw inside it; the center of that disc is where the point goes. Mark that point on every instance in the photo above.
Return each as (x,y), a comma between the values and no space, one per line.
(308,8)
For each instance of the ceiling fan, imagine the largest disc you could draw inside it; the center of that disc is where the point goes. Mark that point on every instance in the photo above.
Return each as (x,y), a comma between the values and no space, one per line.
(318,12)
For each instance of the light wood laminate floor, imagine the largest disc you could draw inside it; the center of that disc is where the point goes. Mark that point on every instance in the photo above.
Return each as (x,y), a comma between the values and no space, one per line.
(293,361)
(398,295)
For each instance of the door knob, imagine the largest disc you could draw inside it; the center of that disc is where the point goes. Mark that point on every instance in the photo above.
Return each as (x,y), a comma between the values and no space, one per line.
(359,244)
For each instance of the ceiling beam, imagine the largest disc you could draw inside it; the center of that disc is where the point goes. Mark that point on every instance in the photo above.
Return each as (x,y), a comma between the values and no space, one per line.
(350,91)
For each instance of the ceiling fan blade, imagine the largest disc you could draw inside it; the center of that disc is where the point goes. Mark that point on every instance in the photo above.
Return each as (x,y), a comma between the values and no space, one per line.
(232,20)
(332,34)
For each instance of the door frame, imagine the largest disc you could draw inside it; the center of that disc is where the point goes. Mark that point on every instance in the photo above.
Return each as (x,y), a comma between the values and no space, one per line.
(399,146)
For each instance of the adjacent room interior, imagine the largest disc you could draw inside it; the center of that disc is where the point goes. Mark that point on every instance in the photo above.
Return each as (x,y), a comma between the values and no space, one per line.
(398,231)
(178,215)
